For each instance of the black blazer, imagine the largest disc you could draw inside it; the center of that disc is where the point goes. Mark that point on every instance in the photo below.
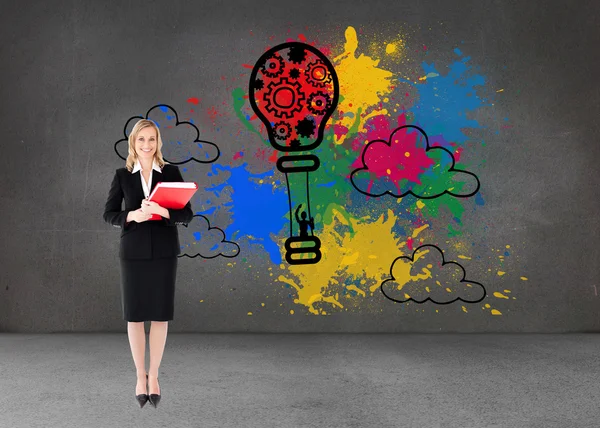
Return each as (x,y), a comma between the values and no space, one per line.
(148,239)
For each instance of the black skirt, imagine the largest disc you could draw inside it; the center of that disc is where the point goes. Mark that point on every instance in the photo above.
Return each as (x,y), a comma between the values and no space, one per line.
(148,289)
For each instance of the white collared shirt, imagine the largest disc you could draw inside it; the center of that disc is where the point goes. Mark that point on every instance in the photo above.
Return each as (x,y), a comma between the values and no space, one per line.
(146,186)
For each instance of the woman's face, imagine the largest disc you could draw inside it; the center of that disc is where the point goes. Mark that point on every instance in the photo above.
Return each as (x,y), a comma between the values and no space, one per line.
(146,143)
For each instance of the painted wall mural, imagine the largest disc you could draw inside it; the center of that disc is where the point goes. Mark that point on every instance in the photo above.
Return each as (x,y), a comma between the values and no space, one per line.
(294,90)
(352,173)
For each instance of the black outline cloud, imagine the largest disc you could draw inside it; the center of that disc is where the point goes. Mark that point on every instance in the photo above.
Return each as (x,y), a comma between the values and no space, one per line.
(177,123)
(389,143)
(223,241)
(412,259)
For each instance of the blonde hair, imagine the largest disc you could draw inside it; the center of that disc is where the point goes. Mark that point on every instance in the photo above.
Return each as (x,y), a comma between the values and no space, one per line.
(132,156)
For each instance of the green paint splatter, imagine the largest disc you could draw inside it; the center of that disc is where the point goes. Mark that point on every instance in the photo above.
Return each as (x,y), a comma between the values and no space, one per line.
(238,103)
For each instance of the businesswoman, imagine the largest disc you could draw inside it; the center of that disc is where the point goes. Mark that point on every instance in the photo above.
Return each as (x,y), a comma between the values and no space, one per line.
(148,251)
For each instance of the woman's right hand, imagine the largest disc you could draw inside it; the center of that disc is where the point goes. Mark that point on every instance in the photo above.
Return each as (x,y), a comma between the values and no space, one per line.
(138,216)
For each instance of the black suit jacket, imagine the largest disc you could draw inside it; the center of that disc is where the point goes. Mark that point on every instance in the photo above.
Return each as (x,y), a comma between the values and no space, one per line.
(148,239)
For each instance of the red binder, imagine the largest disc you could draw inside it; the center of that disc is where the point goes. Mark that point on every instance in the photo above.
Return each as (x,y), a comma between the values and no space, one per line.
(172,195)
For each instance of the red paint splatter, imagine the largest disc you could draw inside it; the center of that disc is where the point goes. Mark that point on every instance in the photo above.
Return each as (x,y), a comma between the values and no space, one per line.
(238,155)
(301,37)
(273,157)
(457,154)
(193,100)
(409,243)
(248,66)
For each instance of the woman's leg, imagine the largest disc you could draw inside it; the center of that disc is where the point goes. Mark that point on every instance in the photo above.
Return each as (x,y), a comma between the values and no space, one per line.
(158,338)
(137,342)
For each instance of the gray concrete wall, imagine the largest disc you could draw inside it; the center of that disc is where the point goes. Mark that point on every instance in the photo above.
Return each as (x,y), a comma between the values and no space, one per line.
(509,88)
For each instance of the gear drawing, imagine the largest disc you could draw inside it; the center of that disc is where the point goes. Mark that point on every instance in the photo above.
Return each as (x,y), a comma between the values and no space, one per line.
(318,103)
(294,73)
(317,74)
(282,130)
(284,98)
(273,66)
(296,54)
(305,127)
(259,84)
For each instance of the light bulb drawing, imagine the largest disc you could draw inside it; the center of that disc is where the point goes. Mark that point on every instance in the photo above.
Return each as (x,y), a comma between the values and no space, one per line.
(294,90)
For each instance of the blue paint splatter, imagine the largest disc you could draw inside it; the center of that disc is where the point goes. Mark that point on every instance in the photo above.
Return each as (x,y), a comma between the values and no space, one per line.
(330,184)
(257,210)
(479,199)
(445,100)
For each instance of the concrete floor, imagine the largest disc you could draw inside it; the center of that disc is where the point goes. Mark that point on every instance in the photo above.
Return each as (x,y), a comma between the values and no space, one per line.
(297,380)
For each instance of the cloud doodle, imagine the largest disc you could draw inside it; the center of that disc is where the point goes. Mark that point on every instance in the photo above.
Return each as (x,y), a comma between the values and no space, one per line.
(180,139)
(206,241)
(408,165)
(427,276)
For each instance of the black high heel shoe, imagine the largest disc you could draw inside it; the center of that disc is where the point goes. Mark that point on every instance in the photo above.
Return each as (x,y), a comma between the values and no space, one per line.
(142,398)
(154,398)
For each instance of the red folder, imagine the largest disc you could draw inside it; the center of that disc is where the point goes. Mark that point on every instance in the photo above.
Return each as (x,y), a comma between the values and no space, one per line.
(173,195)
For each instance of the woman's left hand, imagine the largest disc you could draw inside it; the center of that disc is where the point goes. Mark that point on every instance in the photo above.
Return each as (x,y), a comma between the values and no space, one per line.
(151,207)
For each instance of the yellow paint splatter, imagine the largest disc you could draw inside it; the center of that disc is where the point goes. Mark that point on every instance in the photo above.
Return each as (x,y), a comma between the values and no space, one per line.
(464,257)
(292,311)
(496,312)
(464,309)
(361,81)
(420,204)
(249,313)
(390,48)
(346,243)
(419,230)
(500,295)
(487,305)
(500,273)
(524,278)
(358,290)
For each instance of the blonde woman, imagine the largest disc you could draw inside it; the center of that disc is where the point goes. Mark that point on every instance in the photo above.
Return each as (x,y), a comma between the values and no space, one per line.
(148,251)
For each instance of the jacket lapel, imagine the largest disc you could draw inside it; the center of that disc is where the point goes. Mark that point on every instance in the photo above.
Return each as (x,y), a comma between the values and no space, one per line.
(157,177)
(136,185)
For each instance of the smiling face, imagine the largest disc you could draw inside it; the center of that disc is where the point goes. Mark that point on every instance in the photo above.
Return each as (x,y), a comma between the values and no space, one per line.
(146,143)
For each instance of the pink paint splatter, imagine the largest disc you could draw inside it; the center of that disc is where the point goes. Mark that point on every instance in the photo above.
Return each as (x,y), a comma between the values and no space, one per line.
(339,130)
(403,158)
(238,155)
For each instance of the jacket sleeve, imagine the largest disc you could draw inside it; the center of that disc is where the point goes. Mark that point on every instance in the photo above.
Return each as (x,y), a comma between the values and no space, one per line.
(112,209)
(183,215)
